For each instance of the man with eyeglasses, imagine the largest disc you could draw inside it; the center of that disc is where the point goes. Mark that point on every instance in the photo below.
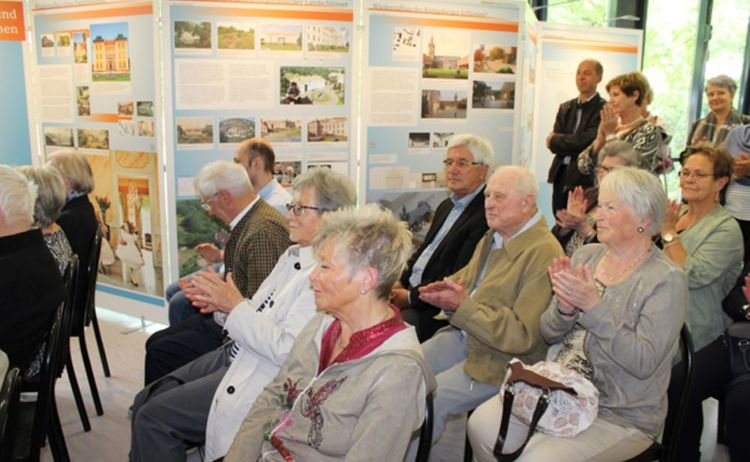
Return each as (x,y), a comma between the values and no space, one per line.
(575,128)
(458,225)
(257,157)
(259,235)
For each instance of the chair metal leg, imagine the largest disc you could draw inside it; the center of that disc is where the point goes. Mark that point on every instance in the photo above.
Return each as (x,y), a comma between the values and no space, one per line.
(56,436)
(77,395)
(100,343)
(90,374)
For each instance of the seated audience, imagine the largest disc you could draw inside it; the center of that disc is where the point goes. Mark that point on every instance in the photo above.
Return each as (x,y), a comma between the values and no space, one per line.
(259,237)
(576,224)
(77,219)
(222,385)
(256,156)
(706,242)
(615,319)
(622,119)
(49,203)
(457,226)
(31,287)
(495,301)
(354,384)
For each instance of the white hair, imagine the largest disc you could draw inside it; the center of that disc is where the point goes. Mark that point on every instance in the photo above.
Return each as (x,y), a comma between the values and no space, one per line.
(222,175)
(17,197)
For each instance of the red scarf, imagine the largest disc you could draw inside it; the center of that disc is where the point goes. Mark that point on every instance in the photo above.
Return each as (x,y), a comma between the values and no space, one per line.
(361,343)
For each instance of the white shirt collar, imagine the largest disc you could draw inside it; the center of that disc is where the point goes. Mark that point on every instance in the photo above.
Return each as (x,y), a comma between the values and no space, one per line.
(242,214)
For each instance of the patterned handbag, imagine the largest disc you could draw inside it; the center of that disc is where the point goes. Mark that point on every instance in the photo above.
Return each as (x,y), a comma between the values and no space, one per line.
(548,396)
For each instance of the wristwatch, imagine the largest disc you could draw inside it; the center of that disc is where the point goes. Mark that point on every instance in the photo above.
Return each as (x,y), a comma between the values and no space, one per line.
(667,238)
(746,311)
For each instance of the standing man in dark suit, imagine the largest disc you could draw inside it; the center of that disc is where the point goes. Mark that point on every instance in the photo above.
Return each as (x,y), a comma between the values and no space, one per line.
(575,128)
(458,225)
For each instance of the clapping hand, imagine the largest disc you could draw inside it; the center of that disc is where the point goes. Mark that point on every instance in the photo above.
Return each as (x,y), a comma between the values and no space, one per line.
(573,287)
(742,165)
(210,252)
(610,120)
(575,214)
(671,217)
(445,294)
(215,293)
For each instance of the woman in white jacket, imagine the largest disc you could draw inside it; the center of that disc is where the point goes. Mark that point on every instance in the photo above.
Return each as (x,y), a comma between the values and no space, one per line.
(209,397)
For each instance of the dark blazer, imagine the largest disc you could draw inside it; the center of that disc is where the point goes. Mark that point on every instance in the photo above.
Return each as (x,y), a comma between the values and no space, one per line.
(79,223)
(453,253)
(31,289)
(566,142)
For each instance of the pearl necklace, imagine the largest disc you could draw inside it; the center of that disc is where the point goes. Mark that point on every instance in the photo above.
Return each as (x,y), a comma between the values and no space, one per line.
(617,275)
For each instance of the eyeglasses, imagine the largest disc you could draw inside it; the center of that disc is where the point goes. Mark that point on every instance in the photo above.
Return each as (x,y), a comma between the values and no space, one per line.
(298,209)
(697,174)
(207,203)
(601,170)
(463,163)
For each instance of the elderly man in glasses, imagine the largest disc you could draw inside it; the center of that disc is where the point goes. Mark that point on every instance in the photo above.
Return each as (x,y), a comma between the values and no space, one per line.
(259,235)
(458,225)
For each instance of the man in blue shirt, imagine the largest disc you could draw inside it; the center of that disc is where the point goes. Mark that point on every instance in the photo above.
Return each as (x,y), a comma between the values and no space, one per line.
(458,225)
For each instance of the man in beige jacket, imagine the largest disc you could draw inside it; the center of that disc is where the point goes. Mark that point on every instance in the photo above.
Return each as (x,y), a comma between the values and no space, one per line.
(495,301)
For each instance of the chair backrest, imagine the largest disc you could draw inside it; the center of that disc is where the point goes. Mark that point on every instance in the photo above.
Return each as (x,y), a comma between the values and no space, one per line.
(9,394)
(425,433)
(47,379)
(85,288)
(69,286)
(669,441)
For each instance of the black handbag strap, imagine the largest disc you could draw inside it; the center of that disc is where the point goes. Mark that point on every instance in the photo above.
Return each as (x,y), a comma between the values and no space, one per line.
(541,406)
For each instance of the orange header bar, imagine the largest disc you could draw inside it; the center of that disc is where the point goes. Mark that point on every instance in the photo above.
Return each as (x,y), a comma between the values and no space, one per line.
(106,13)
(320,15)
(11,21)
(611,48)
(498,26)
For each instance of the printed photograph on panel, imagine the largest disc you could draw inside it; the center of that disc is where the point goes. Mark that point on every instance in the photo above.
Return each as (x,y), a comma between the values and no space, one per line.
(332,39)
(62,137)
(93,139)
(444,104)
(195,226)
(83,101)
(281,130)
(286,171)
(328,129)
(126,201)
(80,48)
(189,34)
(281,38)
(195,130)
(63,43)
(495,59)
(111,52)
(416,208)
(145,128)
(493,95)
(407,42)
(145,108)
(312,85)
(445,54)
(236,129)
(125,108)
(441,139)
(236,36)
(48,45)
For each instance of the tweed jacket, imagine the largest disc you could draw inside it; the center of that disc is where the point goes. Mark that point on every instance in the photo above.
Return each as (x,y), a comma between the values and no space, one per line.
(501,317)
(568,140)
(254,247)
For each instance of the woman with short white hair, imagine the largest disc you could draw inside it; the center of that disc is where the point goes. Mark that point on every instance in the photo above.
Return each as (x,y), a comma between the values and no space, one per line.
(615,318)
(30,283)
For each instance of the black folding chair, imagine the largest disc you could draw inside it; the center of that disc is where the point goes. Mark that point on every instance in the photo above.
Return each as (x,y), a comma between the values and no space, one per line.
(85,314)
(9,394)
(666,450)
(38,420)
(425,432)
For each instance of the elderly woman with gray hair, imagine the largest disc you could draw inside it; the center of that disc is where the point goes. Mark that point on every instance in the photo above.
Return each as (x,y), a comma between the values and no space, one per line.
(31,287)
(354,384)
(49,203)
(615,319)
(222,384)
(576,223)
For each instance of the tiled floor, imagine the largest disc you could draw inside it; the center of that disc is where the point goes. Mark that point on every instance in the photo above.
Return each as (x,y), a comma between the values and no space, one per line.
(109,439)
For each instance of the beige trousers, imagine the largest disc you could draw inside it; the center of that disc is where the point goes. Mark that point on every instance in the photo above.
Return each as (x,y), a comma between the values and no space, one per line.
(602,442)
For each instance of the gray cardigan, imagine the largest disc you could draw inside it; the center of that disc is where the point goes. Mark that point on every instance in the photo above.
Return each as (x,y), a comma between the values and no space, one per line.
(715,250)
(631,336)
